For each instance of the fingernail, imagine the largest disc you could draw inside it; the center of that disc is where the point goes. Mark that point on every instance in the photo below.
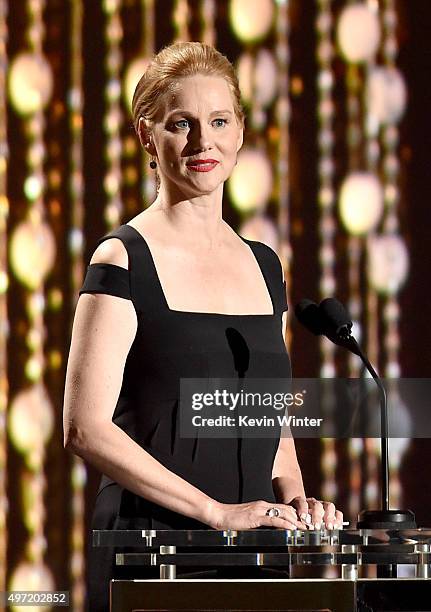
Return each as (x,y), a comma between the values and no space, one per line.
(330,526)
(317,525)
(311,526)
(308,519)
(303,516)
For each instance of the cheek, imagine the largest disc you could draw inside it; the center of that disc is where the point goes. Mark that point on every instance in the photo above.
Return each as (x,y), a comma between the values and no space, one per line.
(171,151)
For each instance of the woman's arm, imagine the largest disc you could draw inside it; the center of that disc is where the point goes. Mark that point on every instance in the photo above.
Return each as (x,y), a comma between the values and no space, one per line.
(103,331)
(286,473)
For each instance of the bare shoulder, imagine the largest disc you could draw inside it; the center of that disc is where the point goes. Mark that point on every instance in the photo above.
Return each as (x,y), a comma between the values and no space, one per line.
(111,251)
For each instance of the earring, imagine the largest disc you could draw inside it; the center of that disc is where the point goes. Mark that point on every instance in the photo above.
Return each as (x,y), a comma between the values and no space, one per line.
(153,164)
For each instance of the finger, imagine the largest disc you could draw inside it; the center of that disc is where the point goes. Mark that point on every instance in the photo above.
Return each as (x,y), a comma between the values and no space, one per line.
(276,521)
(329,516)
(289,512)
(317,513)
(339,519)
(301,506)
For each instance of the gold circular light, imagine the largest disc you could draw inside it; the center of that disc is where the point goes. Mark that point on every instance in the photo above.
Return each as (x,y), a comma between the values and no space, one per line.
(388,263)
(251,21)
(361,202)
(30,83)
(387,94)
(133,74)
(32,253)
(32,577)
(358,32)
(257,77)
(31,419)
(250,184)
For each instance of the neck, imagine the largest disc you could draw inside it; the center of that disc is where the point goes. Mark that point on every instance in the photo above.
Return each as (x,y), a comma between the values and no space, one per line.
(198,218)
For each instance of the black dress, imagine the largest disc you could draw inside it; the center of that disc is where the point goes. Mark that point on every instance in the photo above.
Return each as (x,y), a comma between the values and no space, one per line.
(169,345)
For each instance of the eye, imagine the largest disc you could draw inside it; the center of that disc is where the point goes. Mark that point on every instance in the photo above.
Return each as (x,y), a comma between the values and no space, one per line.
(220,119)
(176,124)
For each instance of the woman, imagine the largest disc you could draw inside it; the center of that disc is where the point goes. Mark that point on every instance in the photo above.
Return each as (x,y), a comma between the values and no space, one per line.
(174,293)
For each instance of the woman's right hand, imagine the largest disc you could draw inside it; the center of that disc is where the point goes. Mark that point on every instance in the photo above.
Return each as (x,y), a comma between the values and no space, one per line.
(250,515)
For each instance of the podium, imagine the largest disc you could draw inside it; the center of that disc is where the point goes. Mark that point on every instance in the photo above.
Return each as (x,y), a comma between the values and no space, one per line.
(270,569)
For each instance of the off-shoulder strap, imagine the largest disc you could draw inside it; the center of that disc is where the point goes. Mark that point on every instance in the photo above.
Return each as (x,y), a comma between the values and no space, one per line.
(107,278)
(145,290)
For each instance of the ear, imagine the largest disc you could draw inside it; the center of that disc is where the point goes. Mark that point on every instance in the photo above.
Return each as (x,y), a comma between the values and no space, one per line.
(145,137)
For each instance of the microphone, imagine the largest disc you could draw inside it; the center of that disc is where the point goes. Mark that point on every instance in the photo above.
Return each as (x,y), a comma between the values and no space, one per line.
(307,313)
(332,320)
(337,321)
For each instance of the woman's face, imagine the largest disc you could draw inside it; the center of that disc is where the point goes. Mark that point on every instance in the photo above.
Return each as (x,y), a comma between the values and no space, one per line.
(196,123)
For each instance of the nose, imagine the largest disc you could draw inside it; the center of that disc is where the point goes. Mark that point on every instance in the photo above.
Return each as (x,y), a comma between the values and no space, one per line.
(200,137)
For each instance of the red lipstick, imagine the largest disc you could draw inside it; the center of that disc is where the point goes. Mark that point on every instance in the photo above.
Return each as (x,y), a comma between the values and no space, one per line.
(202,165)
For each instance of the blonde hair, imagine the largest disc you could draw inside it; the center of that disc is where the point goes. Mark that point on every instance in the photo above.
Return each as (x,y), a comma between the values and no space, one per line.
(174,62)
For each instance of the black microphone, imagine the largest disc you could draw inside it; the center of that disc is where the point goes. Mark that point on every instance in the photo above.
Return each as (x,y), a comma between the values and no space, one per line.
(332,320)
(307,313)
(336,319)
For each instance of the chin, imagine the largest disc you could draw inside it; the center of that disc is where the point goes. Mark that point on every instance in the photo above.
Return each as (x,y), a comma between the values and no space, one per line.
(202,179)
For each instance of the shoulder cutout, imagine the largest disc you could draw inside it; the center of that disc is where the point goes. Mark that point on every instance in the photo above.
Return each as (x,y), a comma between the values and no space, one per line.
(111,251)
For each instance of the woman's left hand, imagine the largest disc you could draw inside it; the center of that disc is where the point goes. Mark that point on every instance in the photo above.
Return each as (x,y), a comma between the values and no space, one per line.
(317,514)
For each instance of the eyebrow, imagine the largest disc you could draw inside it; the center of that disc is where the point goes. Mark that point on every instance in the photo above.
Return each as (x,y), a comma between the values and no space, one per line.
(184,112)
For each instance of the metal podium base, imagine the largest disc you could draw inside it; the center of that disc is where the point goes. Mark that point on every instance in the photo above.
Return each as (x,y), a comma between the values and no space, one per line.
(226,595)
(271,595)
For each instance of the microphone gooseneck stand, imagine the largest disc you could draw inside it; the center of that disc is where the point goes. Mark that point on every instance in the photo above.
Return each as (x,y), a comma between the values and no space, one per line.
(384,518)
(331,319)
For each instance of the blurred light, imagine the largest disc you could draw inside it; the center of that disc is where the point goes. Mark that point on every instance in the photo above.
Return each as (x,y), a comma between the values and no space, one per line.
(327,285)
(250,184)
(262,229)
(33,368)
(35,304)
(30,83)
(112,182)
(76,241)
(357,330)
(79,474)
(327,370)
(358,33)
(35,153)
(4,282)
(251,21)
(387,94)
(132,76)
(296,85)
(33,186)
(34,339)
(31,577)
(388,263)
(4,206)
(55,298)
(398,446)
(55,359)
(258,77)
(32,253)
(361,202)
(112,213)
(113,90)
(31,419)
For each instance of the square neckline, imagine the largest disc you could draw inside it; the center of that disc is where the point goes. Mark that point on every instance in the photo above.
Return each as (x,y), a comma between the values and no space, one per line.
(213,314)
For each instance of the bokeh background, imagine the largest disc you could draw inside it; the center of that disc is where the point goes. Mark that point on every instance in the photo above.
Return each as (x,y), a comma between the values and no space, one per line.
(334,175)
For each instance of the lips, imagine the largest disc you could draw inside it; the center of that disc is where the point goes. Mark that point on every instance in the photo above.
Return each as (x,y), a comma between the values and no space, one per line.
(202,165)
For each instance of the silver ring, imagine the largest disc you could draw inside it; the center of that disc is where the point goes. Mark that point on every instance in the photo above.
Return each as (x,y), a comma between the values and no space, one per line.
(273,512)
